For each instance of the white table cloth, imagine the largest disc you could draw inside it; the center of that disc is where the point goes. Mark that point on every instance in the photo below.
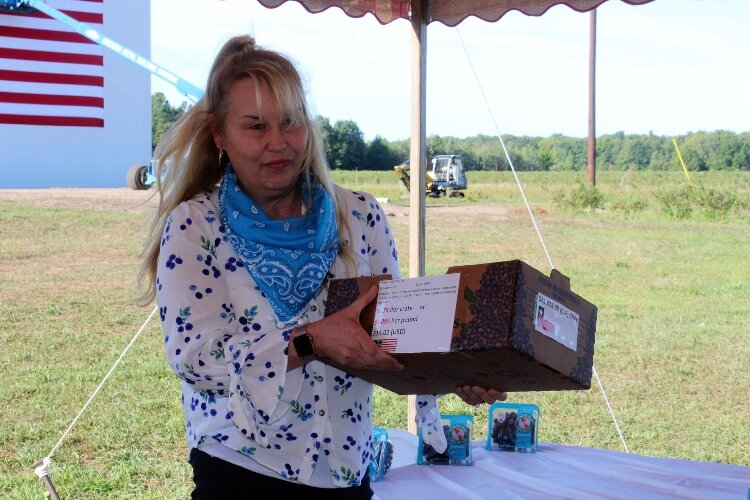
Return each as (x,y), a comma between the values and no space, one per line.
(557,471)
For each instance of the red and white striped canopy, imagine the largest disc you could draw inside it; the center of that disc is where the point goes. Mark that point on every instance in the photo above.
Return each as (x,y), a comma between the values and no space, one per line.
(448,12)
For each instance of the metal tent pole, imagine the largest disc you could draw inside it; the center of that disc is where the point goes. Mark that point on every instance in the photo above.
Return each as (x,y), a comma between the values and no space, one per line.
(417,157)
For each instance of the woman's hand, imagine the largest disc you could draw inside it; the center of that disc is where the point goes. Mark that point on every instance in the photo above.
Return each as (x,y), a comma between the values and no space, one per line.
(476,395)
(340,338)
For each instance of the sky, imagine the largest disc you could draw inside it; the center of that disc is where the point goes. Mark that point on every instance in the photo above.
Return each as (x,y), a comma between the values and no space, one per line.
(669,67)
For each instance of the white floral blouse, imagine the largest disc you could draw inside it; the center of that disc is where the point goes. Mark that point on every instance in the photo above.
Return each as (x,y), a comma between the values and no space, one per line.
(224,341)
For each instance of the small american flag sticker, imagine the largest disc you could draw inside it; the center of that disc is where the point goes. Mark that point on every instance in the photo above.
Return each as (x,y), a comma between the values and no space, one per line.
(388,345)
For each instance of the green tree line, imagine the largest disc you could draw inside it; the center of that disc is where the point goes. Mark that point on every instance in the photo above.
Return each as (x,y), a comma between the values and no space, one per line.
(346,148)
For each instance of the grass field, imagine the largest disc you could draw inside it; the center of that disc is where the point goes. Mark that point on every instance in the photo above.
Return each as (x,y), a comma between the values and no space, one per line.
(672,343)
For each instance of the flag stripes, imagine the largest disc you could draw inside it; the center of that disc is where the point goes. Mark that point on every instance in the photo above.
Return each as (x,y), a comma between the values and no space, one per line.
(29,76)
(50,56)
(388,345)
(49,73)
(66,121)
(64,100)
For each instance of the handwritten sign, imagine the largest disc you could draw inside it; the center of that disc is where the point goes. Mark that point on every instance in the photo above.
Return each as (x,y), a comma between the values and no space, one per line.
(416,314)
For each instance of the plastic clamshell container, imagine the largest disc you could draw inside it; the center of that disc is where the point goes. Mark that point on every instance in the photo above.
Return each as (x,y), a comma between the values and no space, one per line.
(513,427)
(382,457)
(458,430)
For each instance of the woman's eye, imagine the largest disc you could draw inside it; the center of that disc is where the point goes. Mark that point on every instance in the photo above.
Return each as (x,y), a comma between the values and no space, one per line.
(257,126)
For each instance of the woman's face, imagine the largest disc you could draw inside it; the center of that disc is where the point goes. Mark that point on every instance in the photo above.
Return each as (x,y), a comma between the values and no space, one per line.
(264,149)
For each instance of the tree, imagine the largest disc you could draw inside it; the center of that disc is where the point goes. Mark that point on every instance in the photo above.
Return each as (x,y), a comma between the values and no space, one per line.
(696,152)
(163,116)
(326,133)
(347,146)
(741,160)
(379,155)
(346,149)
(400,150)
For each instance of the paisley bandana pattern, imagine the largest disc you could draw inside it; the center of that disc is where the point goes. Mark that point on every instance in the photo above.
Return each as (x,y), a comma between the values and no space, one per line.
(288,258)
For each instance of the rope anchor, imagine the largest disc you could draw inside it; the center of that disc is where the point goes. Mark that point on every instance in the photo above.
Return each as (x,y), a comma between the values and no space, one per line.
(41,468)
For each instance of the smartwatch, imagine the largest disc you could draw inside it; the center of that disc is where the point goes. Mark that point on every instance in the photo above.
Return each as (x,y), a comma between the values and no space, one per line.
(303,343)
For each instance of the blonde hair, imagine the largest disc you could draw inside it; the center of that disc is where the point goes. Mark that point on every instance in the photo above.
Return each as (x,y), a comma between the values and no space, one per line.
(187,160)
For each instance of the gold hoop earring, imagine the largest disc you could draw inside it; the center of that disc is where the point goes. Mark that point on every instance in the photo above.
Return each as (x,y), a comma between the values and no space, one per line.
(221,156)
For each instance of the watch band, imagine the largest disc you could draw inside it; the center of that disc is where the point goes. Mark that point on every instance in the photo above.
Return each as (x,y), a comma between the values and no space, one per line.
(303,342)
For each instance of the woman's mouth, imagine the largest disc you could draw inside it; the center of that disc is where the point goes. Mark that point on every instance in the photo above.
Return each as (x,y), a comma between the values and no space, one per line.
(277,164)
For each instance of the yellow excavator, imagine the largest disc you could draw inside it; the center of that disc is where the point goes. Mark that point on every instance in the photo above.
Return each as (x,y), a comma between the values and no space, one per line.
(445,176)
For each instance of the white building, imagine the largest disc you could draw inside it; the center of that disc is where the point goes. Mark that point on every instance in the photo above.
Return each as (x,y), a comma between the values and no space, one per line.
(72,112)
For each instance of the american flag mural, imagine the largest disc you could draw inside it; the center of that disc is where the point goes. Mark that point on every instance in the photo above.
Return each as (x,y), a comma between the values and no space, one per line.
(50,74)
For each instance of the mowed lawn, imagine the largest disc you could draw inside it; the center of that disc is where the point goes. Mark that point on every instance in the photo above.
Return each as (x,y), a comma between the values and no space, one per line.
(672,340)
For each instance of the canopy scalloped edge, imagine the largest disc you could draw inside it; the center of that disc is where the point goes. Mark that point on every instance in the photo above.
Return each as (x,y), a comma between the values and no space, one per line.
(448,12)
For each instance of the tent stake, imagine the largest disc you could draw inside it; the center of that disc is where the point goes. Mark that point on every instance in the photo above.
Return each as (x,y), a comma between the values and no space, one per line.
(42,470)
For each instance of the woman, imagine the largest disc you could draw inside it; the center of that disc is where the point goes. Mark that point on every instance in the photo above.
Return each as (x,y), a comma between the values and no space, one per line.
(249,229)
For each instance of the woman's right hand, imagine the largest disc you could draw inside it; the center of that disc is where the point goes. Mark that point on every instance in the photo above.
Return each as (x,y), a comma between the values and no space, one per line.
(341,338)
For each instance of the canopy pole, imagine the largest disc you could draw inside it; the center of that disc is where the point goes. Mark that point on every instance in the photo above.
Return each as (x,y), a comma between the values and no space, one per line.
(592,99)
(417,157)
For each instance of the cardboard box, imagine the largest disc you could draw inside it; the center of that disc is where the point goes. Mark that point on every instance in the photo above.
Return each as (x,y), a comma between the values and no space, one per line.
(515,329)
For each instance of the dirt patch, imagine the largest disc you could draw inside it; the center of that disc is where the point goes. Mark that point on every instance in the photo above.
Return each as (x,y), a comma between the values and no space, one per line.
(485,211)
(117,199)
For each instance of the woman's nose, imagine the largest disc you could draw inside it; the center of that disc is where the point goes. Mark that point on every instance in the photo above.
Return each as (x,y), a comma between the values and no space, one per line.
(277,139)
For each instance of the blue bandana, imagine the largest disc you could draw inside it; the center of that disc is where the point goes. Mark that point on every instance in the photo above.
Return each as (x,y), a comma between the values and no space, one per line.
(288,258)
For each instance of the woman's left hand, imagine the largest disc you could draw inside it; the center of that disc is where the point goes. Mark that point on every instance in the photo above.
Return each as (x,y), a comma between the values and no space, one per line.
(476,395)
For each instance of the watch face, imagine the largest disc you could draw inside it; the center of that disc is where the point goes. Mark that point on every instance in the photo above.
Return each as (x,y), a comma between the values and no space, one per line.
(303,345)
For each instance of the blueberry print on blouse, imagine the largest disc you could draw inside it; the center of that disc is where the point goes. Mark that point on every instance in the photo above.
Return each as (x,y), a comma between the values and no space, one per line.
(223,339)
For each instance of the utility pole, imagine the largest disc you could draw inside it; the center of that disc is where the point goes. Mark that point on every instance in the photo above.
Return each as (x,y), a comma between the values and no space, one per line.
(592,99)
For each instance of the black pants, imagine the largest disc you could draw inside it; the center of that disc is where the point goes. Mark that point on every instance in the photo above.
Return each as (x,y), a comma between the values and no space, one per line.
(217,479)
